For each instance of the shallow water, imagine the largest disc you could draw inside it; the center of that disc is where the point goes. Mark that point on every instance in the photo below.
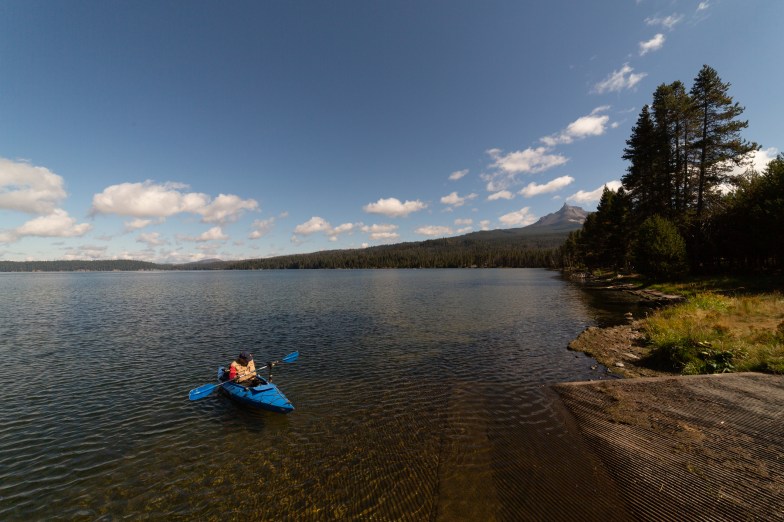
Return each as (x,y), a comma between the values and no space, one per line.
(419,395)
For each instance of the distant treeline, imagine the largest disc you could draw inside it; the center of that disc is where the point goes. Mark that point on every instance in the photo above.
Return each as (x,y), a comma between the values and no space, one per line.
(680,209)
(520,252)
(78,266)
(519,248)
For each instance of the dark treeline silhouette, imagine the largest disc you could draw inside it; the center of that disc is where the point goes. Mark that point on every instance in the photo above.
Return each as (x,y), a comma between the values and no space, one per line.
(77,266)
(440,253)
(680,209)
(492,249)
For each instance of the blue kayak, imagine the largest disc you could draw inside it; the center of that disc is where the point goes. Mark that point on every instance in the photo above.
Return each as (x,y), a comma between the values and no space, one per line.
(265,395)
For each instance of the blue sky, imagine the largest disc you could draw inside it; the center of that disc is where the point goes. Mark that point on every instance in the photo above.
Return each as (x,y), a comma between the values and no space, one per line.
(178,131)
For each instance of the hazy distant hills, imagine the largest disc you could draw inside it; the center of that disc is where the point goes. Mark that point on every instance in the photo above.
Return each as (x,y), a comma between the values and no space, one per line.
(531,246)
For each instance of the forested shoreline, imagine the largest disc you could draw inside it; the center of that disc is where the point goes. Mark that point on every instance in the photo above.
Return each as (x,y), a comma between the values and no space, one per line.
(681,209)
(496,249)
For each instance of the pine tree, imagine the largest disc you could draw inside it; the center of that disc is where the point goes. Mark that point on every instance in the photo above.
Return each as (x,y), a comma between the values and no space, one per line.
(641,152)
(718,144)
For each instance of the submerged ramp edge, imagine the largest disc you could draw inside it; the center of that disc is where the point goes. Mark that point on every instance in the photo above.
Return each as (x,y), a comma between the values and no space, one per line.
(696,447)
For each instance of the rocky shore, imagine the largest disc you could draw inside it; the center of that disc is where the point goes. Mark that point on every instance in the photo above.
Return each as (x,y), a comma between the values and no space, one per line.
(620,348)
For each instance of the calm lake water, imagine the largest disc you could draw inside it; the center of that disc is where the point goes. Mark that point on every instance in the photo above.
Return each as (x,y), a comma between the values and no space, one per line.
(419,395)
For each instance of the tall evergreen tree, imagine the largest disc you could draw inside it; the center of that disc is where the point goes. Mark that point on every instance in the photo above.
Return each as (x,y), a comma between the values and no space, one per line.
(718,143)
(605,237)
(664,150)
(683,129)
(641,152)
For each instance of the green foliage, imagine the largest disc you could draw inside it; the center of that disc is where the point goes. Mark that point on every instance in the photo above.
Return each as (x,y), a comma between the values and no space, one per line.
(680,153)
(660,251)
(604,240)
(749,232)
(712,333)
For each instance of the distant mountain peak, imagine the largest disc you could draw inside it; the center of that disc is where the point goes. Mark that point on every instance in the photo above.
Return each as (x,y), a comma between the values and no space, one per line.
(568,217)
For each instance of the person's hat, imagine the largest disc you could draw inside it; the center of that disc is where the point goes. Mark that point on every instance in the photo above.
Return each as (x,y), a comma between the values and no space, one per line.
(245,355)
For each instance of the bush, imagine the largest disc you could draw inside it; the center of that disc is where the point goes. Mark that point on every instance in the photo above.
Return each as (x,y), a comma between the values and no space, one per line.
(660,251)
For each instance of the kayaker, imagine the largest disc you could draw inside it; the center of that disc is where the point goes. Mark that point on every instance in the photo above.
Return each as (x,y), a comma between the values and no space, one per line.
(243,369)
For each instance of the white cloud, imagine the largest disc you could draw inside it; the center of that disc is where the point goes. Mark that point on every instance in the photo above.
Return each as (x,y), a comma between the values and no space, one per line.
(502,194)
(434,230)
(456,201)
(137,224)
(87,252)
(756,160)
(584,197)
(261,227)
(345,228)
(761,158)
(654,44)
(593,124)
(313,225)
(460,222)
(623,78)
(520,218)
(458,175)
(534,189)
(226,208)
(668,21)
(530,160)
(153,200)
(485,224)
(318,224)
(703,5)
(27,188)
(148,199)
(213,234)
(506,167)
(56,224)
(392,207)
(152,239)
(379,232)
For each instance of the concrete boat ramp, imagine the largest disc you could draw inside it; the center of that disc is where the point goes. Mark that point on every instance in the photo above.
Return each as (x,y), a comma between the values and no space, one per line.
(708,447)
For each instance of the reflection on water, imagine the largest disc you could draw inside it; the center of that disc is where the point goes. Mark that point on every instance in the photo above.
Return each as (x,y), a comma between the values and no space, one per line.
(419,395)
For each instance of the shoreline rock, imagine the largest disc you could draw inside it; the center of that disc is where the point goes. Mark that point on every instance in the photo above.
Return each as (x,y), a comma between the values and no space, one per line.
(619,348)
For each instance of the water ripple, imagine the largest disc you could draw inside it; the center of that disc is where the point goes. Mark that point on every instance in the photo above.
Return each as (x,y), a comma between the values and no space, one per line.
(419,395)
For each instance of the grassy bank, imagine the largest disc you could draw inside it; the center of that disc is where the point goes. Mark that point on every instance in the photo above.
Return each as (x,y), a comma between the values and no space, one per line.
(712,332)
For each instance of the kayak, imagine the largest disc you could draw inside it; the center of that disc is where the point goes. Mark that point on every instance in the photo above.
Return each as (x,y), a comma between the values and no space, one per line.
(265,395)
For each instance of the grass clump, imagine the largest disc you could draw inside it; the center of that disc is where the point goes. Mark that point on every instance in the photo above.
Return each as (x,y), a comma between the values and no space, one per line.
(714,333)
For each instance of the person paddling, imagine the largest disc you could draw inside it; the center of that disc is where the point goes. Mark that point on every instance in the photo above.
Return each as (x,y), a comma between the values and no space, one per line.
(243,369)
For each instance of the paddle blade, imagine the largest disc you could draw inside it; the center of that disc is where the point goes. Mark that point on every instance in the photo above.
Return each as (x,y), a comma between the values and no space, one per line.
(202,391)
(290,357)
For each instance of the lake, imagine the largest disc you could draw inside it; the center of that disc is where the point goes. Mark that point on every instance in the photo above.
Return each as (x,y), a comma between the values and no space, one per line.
(419,395)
